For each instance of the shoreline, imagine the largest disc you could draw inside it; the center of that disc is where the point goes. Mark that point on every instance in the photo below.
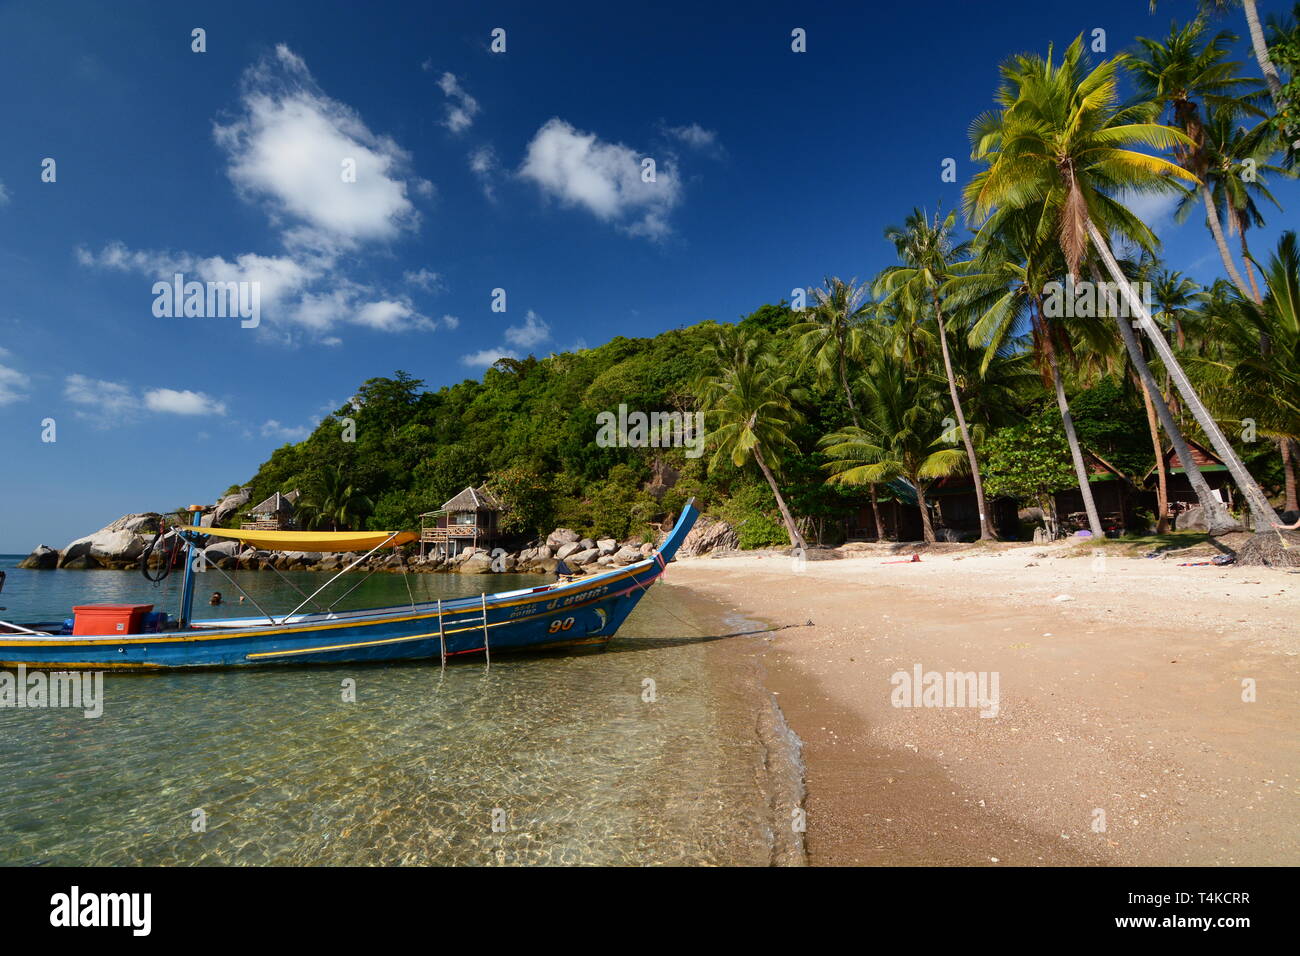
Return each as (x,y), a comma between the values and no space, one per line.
(1121,704)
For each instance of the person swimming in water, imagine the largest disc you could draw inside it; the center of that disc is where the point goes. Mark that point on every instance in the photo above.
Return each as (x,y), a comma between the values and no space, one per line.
(215,599)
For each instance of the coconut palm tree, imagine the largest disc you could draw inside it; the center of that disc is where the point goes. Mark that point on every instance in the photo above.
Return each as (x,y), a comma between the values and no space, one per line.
(1004,289)
(927,249)
(1239,158)
(749,403)
(1191,74)
(831,337)
(1060,142)
(902,436)
(1259,375)
(1257,42)
(333,501)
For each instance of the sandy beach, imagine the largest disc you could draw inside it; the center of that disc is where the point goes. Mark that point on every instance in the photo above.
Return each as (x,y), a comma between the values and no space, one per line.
(1121,734)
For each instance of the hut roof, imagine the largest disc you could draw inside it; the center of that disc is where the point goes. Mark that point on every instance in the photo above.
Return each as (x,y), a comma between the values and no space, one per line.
(276,504)
(473,499)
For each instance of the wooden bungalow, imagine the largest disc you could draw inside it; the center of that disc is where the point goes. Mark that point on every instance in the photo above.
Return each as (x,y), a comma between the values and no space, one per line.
(955,507)
(276,513)
(470,519)
(1181,495)
(1115,496)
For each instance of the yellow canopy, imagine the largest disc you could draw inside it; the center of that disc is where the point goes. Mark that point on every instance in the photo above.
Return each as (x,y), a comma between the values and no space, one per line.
(312,540)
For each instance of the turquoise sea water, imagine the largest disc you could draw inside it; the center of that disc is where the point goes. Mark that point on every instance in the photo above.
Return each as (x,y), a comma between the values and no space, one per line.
(554,758)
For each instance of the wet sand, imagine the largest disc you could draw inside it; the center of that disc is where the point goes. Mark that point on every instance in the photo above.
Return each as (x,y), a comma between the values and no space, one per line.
(1121,737)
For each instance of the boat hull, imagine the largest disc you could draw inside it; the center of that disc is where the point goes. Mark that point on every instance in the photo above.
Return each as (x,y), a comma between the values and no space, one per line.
(584,612)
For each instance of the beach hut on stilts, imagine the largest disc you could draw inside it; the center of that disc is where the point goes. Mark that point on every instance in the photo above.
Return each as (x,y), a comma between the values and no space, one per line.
(468,520)
(276,513)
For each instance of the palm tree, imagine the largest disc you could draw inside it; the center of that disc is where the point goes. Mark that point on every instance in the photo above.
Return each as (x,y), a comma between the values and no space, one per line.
(1239,158)
(1061,143)
(332,500)
(1259,375)
(749,401)
(902,436)
(832,335)
(927,250)
(1187,71)
(1257,42)
(1004,288)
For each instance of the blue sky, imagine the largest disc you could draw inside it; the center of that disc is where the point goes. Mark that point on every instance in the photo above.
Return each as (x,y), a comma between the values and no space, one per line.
(475,171)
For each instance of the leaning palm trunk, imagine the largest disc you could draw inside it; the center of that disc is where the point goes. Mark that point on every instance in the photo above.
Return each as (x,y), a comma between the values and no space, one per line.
(1266,65)
(927,529)
(1217,519)
(875,514)
(986,522)
(796,539)
(1261,511)
(1162,479)
(1076,451)
(1216,230)
(1288,472)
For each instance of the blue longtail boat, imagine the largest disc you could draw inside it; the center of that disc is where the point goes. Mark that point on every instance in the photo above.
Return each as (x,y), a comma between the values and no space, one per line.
(584,611)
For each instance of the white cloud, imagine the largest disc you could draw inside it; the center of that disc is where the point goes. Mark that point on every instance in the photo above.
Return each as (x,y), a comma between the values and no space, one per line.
(461,107)
(108,403)
(284,150)
(579,169)
(451,321)
(273,429)
(426,279)
(533,332)
(696,137)
(486,357)
(4,194)
(13,383)
(102,402)
(483,164)
(290,147)
(172,402)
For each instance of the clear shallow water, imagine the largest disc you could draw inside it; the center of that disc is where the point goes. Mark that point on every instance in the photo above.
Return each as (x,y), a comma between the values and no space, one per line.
(560,751)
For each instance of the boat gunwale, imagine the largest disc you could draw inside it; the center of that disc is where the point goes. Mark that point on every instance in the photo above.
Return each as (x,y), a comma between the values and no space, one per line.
(363,617)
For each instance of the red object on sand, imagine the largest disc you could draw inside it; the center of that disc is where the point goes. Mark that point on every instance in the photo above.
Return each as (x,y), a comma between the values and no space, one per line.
(913,560)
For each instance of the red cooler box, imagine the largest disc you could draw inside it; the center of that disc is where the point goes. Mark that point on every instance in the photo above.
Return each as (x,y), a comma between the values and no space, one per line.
(109,618)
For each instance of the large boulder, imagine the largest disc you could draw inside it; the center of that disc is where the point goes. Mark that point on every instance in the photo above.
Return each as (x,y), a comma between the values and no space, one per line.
(586,544)
(42,559)
(475,564)
(562,536)
(146,522)
(106,547)
(82,562)
(709,534)
(1193,519)
(579,558)
(567,549)
(226,508)
(222,549)
(607,545)
(627,555)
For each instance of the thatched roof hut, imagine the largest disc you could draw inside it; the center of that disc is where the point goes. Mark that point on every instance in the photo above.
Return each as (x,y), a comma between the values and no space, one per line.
(472,499)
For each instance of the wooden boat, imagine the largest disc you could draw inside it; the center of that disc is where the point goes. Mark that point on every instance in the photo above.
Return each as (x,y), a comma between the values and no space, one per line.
(585,611)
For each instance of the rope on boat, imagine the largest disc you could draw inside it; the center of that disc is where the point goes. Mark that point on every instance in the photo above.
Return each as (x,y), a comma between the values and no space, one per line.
(242,591)
(442,637)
